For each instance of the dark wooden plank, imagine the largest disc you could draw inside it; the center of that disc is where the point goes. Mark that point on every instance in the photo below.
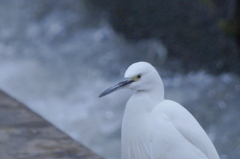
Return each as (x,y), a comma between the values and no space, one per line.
(25,135)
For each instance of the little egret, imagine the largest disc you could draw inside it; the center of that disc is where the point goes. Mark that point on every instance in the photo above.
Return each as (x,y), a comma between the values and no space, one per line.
(156,128)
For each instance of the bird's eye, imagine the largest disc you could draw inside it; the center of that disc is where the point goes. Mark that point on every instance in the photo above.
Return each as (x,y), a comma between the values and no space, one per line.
(139,76)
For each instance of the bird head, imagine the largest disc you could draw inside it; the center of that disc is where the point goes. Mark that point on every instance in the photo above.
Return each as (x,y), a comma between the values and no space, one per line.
(140,76)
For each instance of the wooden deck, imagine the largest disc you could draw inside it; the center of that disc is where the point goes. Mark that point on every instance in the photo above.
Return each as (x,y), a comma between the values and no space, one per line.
(25,135)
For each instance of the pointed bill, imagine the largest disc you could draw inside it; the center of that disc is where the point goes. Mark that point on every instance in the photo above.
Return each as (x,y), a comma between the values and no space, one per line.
(116,87)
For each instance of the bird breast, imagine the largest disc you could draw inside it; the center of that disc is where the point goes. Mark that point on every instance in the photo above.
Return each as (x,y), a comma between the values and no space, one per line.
(135,126)
(135,141)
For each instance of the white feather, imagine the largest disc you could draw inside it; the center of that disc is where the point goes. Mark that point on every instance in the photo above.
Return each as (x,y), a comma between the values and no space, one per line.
(155,128)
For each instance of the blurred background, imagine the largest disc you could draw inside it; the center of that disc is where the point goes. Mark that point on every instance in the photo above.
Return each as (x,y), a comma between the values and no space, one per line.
(56,56)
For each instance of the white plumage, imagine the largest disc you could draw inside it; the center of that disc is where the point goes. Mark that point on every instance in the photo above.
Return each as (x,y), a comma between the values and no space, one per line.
(155,128)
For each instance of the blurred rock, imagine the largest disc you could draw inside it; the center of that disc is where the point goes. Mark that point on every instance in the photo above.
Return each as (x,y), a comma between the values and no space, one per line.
(188,28)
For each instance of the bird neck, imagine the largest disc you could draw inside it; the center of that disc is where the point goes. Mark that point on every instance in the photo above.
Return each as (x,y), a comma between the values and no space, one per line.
(145,100)
(137,111)
(156,94)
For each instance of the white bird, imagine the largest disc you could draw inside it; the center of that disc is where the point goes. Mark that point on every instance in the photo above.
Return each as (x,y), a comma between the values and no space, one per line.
(156,128)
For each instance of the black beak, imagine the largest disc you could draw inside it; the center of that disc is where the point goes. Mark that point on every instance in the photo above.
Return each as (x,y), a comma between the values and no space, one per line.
(116,87)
